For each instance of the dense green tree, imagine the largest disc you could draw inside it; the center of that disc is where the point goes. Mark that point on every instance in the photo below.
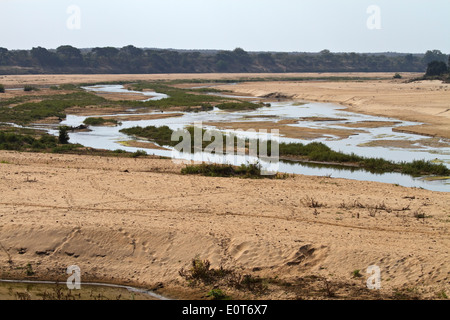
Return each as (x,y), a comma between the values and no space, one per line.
(129,59)
(63,137)
(434,55)
(106,52)
(4,56)
(69,55)
(448,64)
(131,51)
(45,57)
(436,68)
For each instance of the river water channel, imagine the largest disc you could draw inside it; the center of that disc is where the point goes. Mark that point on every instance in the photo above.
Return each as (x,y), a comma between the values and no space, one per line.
(108,137)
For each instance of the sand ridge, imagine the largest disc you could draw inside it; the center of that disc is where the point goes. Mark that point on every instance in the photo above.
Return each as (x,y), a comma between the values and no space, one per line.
(139,221)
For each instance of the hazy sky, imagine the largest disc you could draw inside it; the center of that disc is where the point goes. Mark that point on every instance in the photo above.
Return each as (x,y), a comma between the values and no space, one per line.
(254,25)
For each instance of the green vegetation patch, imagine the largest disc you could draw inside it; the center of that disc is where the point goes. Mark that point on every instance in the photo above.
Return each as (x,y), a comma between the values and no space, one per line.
(30,88)
(237,106)
(100,121)
(54,106)
(161,135)
(190,98)
(177,97)
(317,151)
(252,171)
(20,142)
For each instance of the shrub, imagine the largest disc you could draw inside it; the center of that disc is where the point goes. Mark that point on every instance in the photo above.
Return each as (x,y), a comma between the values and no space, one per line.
(225,170)
(161,135)
(99,121)
(2,89)
(201,271)
(357,274)
(436,68)
(217,294)
(30,88)
(138,154)
(63,137)
(68,86)
(29,270)
(239,106)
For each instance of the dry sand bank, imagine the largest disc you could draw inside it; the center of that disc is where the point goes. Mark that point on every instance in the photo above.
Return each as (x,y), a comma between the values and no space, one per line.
(285,129)
(138,221)
(10,81)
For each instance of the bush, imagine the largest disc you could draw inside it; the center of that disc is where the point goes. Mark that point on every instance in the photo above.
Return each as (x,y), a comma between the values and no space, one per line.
(217,294)
(30,88)
(225,170)
(19,142)
(202,273)
(2,89)
(436,68)
(63,137)
(161,135)
(66,148)
(99,121)
(239,106)
(139,153)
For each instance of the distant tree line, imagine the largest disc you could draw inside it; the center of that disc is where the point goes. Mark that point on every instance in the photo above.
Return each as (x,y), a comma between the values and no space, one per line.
(129,59)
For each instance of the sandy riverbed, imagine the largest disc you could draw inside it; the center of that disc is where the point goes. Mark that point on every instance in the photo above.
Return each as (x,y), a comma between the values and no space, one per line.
(427,101)
(139,221)
(44,80)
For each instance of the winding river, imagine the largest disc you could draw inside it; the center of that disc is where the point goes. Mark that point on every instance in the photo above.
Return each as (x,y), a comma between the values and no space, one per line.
(109,138)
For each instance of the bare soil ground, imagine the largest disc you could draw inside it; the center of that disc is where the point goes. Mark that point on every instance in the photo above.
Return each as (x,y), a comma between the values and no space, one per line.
(139,221)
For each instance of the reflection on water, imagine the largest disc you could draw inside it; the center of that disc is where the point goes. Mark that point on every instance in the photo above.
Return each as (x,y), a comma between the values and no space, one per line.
(48,290)
(109,137)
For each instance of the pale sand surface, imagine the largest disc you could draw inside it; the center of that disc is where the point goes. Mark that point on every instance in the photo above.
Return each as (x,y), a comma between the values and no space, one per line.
(136,117)
(286,130)
(10,81)
(144,225)
(139,144)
